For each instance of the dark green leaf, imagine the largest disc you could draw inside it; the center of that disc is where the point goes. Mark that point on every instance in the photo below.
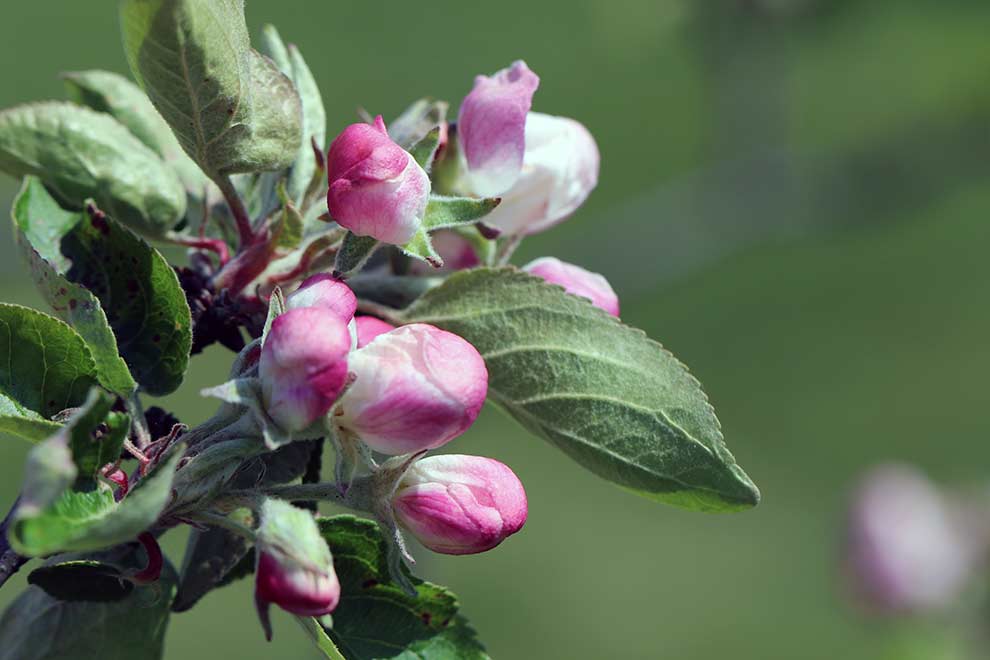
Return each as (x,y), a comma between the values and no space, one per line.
(115,95)
(82,580)
(45,366)
(604,393)
(37,626)
(92,520)
(36,212)
(375,618)
(446,212)
(354,253)
(137,289)
(210,555)
(230,107)
(82,154)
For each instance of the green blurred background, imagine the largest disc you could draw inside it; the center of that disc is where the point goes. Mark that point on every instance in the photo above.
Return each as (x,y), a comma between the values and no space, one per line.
(794,199)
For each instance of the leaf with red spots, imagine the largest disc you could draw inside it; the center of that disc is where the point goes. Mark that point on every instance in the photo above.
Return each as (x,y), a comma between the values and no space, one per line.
(88,266)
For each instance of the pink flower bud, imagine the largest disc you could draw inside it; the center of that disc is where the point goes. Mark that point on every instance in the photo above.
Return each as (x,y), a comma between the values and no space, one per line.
(576,281)
(295,568)
(324,290)
(909,549)
(376,188)
(303,365)
(491,128)
(460,505)
(417,387)
(559,171)
(368,327)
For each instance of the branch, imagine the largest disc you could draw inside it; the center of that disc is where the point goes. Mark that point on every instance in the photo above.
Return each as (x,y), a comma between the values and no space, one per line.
(10,561)
(244,230)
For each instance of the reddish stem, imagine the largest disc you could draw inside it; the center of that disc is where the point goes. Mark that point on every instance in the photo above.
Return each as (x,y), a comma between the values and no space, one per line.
(215,245)
(153,570)
(244,230)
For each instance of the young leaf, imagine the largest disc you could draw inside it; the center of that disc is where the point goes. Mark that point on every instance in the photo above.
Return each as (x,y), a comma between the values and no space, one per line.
(92,520)
(448,212)
(314,125)
(424,150)
(37,626)
(375,618)
(273,46)
(288,232)
(230,107)
(45,366)
(82,154)
(353,254)
(421,247)
(35,210)
(604,393)
(90,454)
(117,96)
(136,287)
(416,121)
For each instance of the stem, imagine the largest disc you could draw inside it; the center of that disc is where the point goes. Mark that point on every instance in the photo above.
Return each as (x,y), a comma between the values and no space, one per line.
(244,230)
(138,423)
(10,561)
(326,492)
(215,245)
(505,251)
(224,522)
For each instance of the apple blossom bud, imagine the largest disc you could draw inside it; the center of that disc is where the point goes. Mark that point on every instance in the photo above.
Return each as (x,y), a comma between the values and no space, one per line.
(324,290)
(559,171)
(303,365)
(368,327)
(294,565)
(416,387)
(576,281)
(377,188)
(491,128)
(460,505)
(908,548)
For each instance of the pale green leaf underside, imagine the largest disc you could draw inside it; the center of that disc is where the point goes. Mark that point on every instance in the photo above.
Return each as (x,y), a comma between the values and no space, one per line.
(604,393)
(92,520)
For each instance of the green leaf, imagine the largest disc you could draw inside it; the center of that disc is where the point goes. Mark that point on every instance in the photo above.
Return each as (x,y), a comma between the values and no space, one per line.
(231,109)
(314,126)
(92,520)
(318,634)
(447,212)
(416,121)
(82,580)
(35,210)
(45,366)
(89,452)
(48,472)
(354,253)
(424,150)
(117,96)
(136,287)
(37,626)
(31,427)
(375,618)
(288,231)
(210,555)
(608,396)
(421,247)
(273,46)
(82,154)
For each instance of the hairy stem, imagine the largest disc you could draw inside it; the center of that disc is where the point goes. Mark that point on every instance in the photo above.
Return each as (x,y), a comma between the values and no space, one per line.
(244,230)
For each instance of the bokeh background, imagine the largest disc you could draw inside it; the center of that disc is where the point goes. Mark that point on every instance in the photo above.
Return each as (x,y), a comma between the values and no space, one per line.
(794,199)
